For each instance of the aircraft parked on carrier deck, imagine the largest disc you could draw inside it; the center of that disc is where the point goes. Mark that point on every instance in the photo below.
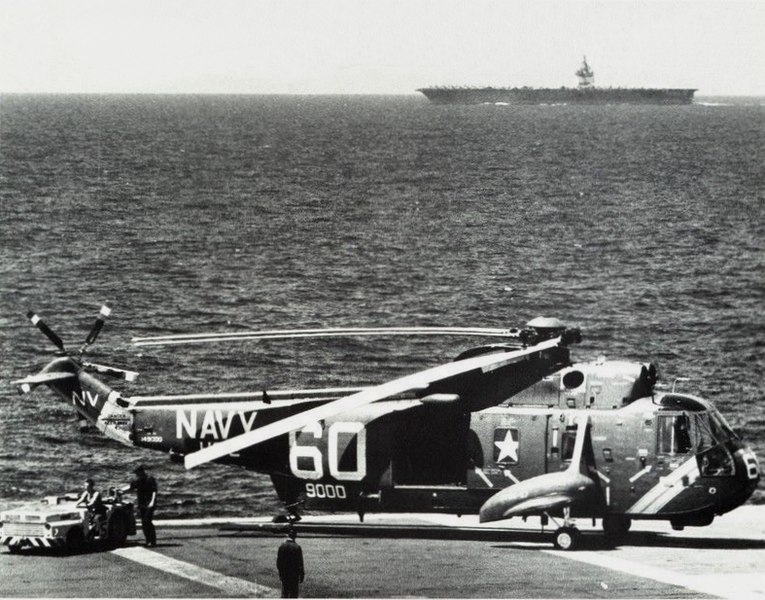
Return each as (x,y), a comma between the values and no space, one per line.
(507,429)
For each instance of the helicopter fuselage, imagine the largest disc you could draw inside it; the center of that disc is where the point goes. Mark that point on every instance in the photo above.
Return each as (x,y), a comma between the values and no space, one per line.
(660,456)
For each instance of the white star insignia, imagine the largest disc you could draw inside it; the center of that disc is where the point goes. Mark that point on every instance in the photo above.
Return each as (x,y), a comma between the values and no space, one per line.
(508,448)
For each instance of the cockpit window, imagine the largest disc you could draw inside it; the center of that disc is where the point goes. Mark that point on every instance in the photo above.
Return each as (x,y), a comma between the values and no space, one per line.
(716,462)
(703,436)
(703,433)
(674,434)
(568,441)
(710,429)
(722,424)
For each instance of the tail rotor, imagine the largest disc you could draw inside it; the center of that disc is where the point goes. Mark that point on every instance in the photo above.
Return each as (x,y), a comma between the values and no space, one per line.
(29,383)
(70,377)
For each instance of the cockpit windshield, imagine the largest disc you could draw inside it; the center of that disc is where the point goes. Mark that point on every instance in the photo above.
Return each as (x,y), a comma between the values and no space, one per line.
(723,426)
(702,433)
(711,431)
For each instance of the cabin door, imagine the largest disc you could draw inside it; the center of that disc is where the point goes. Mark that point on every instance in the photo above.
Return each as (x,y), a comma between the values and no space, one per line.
(505,448)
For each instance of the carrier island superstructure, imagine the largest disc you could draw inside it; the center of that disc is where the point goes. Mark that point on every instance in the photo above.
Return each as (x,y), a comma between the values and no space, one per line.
(585,93)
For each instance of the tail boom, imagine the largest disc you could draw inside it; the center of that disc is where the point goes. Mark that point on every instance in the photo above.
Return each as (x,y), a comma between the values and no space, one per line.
(97,403)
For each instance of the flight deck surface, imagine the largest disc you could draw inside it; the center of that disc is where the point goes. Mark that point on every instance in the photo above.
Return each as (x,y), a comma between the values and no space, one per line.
(226,558)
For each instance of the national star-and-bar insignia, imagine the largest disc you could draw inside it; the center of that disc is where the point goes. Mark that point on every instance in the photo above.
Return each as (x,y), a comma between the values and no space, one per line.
(506,446)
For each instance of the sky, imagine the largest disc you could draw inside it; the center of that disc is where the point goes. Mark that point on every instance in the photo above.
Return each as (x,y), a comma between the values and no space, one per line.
(376,46)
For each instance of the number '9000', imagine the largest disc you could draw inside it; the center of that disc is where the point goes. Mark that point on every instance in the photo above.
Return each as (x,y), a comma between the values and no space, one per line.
(307,462)
(325,490)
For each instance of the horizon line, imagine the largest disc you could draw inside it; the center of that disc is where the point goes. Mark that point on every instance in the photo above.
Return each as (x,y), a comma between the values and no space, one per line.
(224,93)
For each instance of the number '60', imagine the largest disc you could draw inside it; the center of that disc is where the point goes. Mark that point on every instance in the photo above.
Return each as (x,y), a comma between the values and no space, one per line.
(316,469)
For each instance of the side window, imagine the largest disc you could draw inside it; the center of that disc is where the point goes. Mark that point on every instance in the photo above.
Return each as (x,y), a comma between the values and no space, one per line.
(674,435)
(567,443)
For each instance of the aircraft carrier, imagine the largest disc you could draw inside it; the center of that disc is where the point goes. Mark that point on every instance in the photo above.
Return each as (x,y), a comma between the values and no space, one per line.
(585,93)
(406,556)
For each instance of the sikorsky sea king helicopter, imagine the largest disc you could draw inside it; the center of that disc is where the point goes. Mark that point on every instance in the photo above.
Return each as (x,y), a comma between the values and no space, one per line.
(505,430)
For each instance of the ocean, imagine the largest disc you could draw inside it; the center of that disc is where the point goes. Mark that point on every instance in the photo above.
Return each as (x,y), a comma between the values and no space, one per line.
(643,225)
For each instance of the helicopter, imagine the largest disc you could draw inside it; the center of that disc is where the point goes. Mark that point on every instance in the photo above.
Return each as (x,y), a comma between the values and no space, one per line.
(507,429)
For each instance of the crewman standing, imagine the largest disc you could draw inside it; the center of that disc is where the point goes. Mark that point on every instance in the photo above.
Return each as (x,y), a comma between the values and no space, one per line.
(289,562)
(145,487)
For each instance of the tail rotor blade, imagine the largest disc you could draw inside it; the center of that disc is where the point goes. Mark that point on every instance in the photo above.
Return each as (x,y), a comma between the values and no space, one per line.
(47,331)
(98,325)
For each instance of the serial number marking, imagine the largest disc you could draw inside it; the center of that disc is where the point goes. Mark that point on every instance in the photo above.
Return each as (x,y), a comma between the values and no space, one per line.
(325,490)
(152,439)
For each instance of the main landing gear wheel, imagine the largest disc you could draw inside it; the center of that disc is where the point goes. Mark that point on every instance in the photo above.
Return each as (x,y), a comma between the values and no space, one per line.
(566,538)
(615,528)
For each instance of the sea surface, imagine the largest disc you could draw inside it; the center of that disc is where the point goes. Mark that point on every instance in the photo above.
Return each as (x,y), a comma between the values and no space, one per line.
(643,225)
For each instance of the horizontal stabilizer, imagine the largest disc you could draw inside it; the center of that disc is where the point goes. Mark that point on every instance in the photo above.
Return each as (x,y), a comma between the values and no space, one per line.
(29,383)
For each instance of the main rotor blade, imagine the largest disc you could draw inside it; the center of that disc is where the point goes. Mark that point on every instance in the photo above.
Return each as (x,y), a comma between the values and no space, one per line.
(199,338)
(47,331)
(264,395)
(98,325)
(416,381)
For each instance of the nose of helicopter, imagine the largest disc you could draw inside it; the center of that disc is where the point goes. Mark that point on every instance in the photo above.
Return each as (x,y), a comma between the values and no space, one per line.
(748,464)
(747,475)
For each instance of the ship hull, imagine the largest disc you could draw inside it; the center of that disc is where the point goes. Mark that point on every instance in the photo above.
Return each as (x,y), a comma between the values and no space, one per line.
(489,95)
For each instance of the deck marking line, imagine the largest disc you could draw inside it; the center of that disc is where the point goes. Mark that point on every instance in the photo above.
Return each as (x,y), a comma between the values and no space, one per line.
(721,587)
(231,585)
(746,585)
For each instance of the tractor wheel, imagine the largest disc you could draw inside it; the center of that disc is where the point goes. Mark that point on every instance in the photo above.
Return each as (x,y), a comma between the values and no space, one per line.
(75,540)
(117,531)
(566,538)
